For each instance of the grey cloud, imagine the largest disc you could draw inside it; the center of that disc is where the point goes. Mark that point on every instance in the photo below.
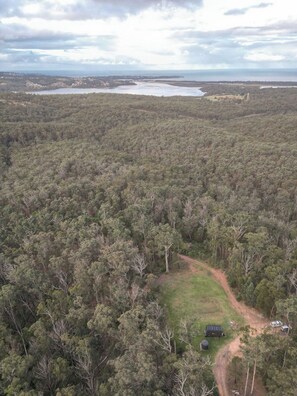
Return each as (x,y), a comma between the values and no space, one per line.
(23,57)
(237,11)
(241,38)
(32,60)
(211,48)
(231,46)
(284,29)
(92,9)
(20,37)
(227,55)
(61,43)
(9,8)
(191,36)
(232,54)
(19,32)
(124,7)
(242,11)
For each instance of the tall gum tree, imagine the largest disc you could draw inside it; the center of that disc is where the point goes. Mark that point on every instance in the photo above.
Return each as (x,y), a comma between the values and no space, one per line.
(165,238)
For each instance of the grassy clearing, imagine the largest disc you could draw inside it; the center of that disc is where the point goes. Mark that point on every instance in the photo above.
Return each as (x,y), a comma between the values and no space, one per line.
(196,295)
(229,98)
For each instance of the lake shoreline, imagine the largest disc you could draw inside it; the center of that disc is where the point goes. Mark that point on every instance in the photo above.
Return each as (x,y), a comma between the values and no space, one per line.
(147,88)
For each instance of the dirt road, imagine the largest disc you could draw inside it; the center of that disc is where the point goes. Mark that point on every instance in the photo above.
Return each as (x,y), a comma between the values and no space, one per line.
(252,317)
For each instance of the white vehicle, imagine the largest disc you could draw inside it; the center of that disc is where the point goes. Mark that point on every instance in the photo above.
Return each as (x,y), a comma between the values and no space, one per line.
(276,323)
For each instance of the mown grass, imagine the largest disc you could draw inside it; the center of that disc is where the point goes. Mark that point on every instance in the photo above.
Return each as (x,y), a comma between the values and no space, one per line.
(197,296)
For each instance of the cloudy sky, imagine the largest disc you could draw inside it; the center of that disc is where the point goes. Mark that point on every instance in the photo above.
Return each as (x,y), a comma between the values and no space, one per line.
(147,34)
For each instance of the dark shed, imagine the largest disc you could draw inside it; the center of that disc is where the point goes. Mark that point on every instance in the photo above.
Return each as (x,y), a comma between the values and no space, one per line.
(204,345)
(214,331)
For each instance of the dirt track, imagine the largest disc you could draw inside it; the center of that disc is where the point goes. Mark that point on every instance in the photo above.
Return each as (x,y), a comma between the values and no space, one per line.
(252,317)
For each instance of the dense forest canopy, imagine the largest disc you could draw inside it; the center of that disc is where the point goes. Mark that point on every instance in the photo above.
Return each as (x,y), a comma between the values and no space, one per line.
(98,192)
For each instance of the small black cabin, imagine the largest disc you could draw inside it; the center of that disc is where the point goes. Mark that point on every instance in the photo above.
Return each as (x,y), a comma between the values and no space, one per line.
(214,331)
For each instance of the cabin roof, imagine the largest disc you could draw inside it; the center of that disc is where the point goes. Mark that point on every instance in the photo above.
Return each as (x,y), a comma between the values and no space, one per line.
(214,328)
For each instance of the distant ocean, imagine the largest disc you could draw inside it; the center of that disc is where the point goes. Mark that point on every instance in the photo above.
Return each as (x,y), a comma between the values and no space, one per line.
(193,75)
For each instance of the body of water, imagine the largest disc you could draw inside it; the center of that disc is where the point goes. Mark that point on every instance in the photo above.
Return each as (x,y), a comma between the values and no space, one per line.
(141,88)
(265,75)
